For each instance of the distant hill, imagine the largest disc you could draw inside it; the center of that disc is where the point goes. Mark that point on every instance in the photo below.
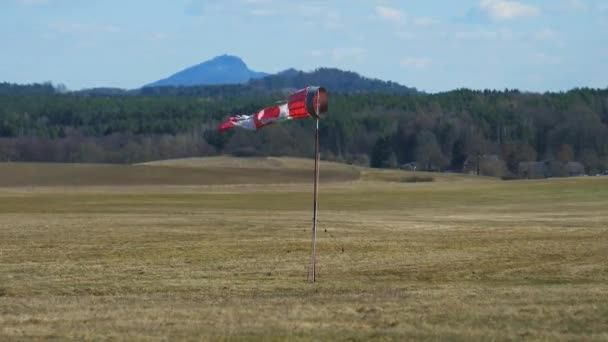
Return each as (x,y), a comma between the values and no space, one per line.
(220,70)
(229,76)
(335,80)
(233,77)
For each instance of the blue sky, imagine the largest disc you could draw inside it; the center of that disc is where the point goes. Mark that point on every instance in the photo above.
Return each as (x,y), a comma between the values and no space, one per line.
(429,44)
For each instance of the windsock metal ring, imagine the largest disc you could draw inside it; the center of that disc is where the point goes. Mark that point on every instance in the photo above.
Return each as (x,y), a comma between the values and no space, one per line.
(311,101)
(316,101)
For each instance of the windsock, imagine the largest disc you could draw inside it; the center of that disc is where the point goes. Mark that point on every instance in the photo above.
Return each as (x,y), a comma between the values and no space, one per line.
(308,102)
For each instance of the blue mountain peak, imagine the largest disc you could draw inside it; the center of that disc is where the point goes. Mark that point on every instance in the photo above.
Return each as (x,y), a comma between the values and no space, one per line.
(225,69)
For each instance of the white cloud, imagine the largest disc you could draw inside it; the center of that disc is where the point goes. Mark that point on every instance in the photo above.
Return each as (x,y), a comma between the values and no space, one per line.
(508,9)
(415,63)
(389,13)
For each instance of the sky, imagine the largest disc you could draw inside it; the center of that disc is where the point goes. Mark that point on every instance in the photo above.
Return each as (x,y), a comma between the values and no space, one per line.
(433,45)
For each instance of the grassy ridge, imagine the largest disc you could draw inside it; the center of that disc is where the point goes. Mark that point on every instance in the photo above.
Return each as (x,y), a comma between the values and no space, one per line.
(463,260)
(44,174)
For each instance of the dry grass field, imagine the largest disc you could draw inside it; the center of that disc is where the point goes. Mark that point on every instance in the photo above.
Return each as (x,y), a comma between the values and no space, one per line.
(219,250)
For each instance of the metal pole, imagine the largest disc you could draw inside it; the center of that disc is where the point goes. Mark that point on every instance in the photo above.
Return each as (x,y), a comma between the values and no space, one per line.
(314,215)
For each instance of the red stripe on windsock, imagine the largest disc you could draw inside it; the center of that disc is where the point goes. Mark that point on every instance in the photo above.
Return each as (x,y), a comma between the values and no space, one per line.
(266,116)
(227,125)
(297,104)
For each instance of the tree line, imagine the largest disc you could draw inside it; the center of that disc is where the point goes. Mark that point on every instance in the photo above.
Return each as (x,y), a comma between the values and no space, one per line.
(439,132)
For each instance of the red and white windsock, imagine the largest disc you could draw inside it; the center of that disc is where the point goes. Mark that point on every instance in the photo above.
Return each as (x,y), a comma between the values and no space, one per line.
(310,101)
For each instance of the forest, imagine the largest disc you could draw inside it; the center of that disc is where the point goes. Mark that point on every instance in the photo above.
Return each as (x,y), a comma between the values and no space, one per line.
(490,132)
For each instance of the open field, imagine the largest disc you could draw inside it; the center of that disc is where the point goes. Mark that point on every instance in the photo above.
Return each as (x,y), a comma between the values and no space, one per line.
(461,258)
(174,172)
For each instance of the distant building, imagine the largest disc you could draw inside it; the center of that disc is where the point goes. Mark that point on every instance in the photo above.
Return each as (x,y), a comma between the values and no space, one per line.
(575,169)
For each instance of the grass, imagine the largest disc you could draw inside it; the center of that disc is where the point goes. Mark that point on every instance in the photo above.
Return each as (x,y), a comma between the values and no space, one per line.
(459,258)
(175,172)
